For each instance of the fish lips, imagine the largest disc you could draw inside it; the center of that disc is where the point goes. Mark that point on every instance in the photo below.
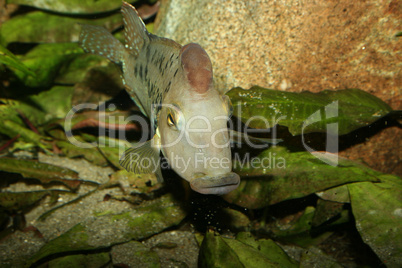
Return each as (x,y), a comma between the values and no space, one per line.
(218,185)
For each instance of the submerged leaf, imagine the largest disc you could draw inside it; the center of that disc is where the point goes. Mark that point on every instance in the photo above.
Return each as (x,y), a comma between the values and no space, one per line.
(325,211)
(244,251)
(43,27)
(19,201)
(140,255)
(35,110)
(45,173)
(145,220)
(335,112)
(72,6)
(91,154)
(277,175)
(314,257)
(11,61)
(377,208)
(46,60)
(81,260)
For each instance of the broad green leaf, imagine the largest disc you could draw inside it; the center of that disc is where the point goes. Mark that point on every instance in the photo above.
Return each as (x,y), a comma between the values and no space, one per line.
(130,182)
(277,175)
(377,208)
(338,194)
(43,27)
(19,201)
(72,7)
(314,257)
(143,221)
(46,60)
(11,61)
(45,173)
(75,70)
(91,154)
(325,211)
(81,260)
(267,247)
(215,252)
(335,112)
(295,229)
(140,255)
(244,251)
(38,109)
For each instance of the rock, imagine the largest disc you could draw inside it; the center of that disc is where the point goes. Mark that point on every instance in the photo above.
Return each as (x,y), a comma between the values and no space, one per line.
(299,45)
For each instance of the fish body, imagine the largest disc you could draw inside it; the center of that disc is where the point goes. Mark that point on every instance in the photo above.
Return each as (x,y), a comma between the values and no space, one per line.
(173,86)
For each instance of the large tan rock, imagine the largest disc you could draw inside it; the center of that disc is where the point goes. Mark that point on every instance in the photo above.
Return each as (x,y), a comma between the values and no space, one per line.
(298,45)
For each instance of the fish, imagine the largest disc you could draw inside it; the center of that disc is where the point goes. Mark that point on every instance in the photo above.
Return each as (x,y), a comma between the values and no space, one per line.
(173,86)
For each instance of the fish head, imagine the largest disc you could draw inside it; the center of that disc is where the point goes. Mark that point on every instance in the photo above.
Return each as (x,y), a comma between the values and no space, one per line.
(193,128)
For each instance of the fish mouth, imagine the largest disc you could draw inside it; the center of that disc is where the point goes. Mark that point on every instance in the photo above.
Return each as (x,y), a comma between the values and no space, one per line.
(218,185)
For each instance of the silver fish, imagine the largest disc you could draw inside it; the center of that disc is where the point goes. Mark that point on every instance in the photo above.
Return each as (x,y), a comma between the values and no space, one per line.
(173,86)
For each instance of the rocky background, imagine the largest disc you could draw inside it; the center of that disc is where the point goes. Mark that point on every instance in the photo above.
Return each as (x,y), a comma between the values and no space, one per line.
(298,45)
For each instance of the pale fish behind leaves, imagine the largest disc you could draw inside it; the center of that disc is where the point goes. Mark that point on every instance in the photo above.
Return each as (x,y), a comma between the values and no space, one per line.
(173,86)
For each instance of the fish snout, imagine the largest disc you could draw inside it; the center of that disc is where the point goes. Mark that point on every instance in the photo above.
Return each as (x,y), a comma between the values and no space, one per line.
(220,184)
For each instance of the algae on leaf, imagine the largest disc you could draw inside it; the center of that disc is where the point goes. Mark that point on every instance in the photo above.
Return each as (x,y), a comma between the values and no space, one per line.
(45,60)
(45,173)
(11,61)
(244,251)
(377,208)
(72,6)
(277,175)
(143,221)
(43,27)
(307,112)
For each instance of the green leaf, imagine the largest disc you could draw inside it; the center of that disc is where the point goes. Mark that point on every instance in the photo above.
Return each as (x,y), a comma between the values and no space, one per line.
(38,109)
(307,112)
(43,27)
(72,6)
(11,61)
(215,252)
(46,60)
(13,129)
(45,173)
(145,220)
(325,211)
(314,257)
(140,255)
(267,247)
(91,154)
(338,194)
(244,251)
(81,260)
(277,175)
(19,201)
(377,208)
(75,70)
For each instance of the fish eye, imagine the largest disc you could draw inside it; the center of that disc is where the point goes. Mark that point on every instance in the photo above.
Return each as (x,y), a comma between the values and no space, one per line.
(170,120)
(228,105)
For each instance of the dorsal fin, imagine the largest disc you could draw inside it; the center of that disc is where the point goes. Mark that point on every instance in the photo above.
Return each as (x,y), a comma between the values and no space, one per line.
(197,67)
(135,32)
(98,40)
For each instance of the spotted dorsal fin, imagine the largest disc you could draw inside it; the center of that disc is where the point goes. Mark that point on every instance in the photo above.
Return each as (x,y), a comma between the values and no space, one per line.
(135,32)
(98,40)
(197,67)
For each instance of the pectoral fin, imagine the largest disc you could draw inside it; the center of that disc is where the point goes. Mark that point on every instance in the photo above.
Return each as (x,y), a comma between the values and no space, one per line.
(142,159)
(239,138)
